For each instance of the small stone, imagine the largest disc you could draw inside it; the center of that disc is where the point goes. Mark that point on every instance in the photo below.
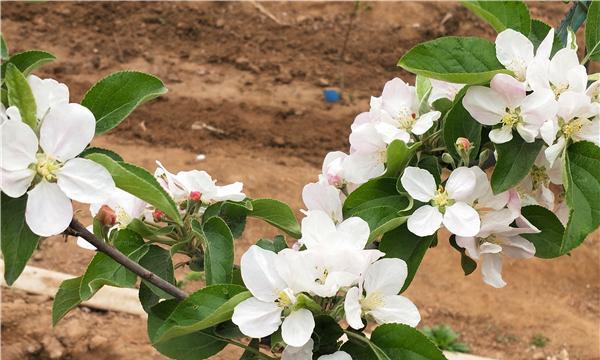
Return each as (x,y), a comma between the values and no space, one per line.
(53,347)
(539,356)
(38,256)
(34,348)
(97,341)
(220,23)
(323,82)
(279,141)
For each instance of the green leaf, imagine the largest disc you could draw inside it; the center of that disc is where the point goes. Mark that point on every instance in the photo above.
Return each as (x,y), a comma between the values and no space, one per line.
(465,60)
(423,87)
(459,123)
(325,335)
(218,251)
(502,15)
(66,299)
(17,240)
(278,214)
(375,193)
(574,18)
(96,150)
(398,156)
(113,98)
(233,213)
(592,31)
(193,346)
(3,49)
(468,265)
(381,219)
(275,245)
(103,270)
(403,244)
(431,164)
(20,95)
(539,30)
(201,310)
(138,182)
(28,61)
(404,342)
(158,260)
(362,348)
(582,186)
(515,159)
(549,241)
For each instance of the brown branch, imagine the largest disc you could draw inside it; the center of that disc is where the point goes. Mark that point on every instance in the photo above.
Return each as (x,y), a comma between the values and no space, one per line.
(77,229)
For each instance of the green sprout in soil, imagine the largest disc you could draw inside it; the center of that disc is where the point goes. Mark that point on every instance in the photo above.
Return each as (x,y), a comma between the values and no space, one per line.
(445,338)
(539,340)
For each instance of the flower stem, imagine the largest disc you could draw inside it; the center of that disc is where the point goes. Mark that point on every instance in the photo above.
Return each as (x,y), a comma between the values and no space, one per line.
(77,229)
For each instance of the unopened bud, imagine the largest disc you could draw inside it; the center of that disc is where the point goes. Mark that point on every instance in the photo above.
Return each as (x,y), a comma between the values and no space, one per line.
(106,216)
(463,144)
(447,158)
(195,196)
(484,157)
(158,215)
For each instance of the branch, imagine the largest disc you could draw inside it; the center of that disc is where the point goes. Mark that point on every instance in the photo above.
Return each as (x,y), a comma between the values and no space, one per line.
(77,229)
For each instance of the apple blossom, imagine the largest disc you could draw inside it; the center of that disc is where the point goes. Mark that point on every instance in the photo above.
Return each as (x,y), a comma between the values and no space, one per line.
(324,197)
(515,51)
(535,187)
(506,103)
(447,204)
(497,237)
(383,280)
(305,352)
(482,198)
(47,94)
(443,90)
(593,91)
(332,171)
(260,315)
(558,75)
(572,124)
(48,169)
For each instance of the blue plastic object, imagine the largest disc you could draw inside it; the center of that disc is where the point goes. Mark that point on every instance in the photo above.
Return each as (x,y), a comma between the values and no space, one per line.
(332,95)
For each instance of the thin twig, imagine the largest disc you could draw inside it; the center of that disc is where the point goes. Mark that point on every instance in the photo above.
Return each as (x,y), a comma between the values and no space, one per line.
(77,229)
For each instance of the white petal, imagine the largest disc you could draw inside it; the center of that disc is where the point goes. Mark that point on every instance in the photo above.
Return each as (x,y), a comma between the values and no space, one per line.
(195,180)
(83,243)
(545,48)
(66,130)
(514,50)
(257,318)
(397,309)
(489,248)
(518,248)
(528,132)
(386,276)
(538,107)
(590,131)
(259,274)
(297,327)
(338,355)
(352,309)
(47,93)
(425,122)
(231,192)
(316,226)
(572,104)
(461,219)
(15,183)
(324,197)
(19,145)
(484,104)
(419,183)
(562,62)
(361,167)
(298,353)
(355,231)
(397,96)
(461,183)
(49,210)
(553,152)
(548,131)
(537,75)
(85,181)
(469,243)
(491,269)
(511,89)
(425,221)
(577,78)
(501,135)
(366,138)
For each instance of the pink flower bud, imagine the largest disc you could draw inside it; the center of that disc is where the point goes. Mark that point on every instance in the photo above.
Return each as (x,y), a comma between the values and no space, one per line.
(463,144)
(158,215)
(195,195)
(106,216)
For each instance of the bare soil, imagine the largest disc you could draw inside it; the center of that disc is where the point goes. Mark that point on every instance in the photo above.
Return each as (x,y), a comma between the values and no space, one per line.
(245,89)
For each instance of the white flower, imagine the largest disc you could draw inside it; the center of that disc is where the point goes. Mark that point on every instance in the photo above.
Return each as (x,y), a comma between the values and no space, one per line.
(383,281)
(535,187)
(195,183)
(306,353)
(515,51)
(496,237)
(47,93)
(482,198)
(558,75)
(572,123)
(324,197)
(400,108)
(260,315)
(447,205)
(48,169)
(443,90)
(333,169)
(593,91)
(505,102)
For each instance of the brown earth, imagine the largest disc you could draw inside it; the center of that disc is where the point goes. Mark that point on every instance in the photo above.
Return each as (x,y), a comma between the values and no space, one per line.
(245,90)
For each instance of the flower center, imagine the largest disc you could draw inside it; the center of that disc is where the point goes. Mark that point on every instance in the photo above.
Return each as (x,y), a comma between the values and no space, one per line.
(573,127)
(492,239)
(372,301)
(123,218)
(441,199)
(518,67)
(285,298)
(539,176)
(46,167)
(512,117)
(406,119)
(559,89)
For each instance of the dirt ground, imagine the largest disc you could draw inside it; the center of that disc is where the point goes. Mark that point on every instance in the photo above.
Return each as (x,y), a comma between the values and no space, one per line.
(245,89)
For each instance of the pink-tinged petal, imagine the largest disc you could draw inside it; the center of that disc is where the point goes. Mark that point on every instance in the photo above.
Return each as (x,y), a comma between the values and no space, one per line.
(353,309)
(259,274)
(386,276)
(484,104)
(461,183)
(443,90)
(419,183)
(297,327)
(489,248)
(469,243)
(590,131)
(425,221)
(514,50)
(16,182)
(85,181)
(19,145)
(396,309)
(461,219)
(494,222)
(425,122)
(539,107)
(47,94)
(491,270)
(49,211)
(66,130)
(257,318)
(511,89)
(517,247)
(501,135)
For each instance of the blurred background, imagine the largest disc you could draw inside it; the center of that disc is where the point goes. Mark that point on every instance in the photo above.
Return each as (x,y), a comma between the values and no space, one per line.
(245,102)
